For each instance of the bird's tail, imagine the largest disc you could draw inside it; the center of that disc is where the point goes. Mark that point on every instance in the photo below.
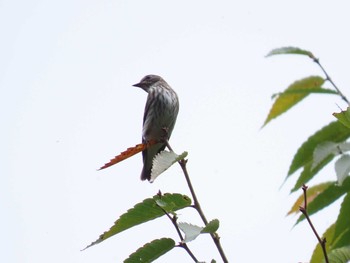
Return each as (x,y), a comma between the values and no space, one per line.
(148,156)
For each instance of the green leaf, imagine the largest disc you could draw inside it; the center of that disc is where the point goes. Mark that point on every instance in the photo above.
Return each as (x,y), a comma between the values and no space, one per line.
(182,156)
(151,251)
(344,117)
(145,211)
(317,255)
(294,94)
(329,195)
(333,132)
(342,240)
(308,91)
(211,227)
(290,50)
(340,255)
(343,224)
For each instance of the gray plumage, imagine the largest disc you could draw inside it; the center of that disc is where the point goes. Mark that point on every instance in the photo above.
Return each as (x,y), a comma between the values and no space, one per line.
(161,111)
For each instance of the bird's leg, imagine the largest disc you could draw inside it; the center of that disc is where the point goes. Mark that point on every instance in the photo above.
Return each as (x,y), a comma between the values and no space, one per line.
(165,138)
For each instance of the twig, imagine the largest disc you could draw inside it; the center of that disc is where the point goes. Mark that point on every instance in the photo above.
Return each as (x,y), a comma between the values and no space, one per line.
(182,244)
(317,61)
(305,196)
(304,211)
(197,206)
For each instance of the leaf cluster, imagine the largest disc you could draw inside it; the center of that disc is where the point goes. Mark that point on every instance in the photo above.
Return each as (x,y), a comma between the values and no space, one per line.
(318,151)
(151,209)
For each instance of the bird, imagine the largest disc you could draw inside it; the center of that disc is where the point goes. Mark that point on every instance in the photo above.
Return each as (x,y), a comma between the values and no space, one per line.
(160,114)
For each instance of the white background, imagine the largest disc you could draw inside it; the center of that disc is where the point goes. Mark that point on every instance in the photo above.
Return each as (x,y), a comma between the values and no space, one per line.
(67,106)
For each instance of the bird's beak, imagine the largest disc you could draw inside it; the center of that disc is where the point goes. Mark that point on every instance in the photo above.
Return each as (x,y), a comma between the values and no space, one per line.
(138,85)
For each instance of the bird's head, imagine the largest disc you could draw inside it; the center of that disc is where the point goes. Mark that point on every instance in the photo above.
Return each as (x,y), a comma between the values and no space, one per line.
(147,81)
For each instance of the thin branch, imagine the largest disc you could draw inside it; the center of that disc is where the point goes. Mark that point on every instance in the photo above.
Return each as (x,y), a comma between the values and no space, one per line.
(197,206)
(304,211)
(305,196)
(168,146)
(182,244)
(317,61)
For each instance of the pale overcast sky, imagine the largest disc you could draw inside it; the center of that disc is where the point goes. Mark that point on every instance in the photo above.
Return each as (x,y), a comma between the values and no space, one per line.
(68,106)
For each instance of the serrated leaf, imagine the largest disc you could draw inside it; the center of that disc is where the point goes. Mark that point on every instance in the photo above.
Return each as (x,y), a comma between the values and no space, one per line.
(317,255)
(342,168)
(333,132)
(162,161)
(143,212)
(294,94)
(312,193)
(191,231)
(211,227)
(344,117)
(290,50)
(151,251)
(329,195)
(340,255)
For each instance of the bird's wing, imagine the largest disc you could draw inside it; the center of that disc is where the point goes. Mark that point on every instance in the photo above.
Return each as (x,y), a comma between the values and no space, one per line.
(149,104)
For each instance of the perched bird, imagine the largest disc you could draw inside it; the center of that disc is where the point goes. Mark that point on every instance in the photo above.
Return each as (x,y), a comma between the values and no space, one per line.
(159,118)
